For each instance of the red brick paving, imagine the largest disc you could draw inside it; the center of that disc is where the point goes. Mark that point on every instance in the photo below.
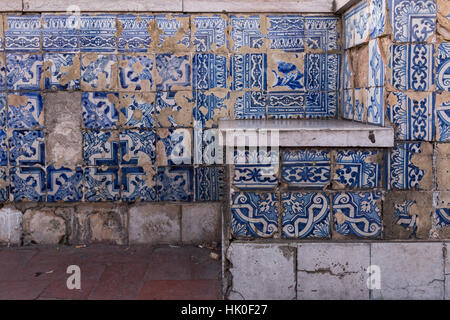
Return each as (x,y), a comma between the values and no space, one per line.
(110,272)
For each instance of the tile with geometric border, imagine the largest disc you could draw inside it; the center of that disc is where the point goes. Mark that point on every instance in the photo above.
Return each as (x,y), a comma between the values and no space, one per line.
(209,183)
(101,184)
(443,66)
(250,105)
(136,72)
(101,148)
(137,147)
(286,71)
(306,168)
(321,33)
(137,110)
(246,32)
(412,67)
(23,71)
(209,71)
(255,176)
(98,72)
(173,72)
(375,105)
(321,104)
(23,33)
(138,183)
(100,110)
(402,171)
(209,32)
(97,33)
(174,146)
(64,184)
(61,33)
(25,111)
(305,215)
(174,32)
(209,108)
(27,184)
(443,116)
(322,72)
(285,105)
(26,147)
(175,183)
(358,169)
(61,71)
(413,119)
(358,214)
(135,35)
(254,215)
(4,184)
(412,21)
(249,71)
(286,32)
(174,109)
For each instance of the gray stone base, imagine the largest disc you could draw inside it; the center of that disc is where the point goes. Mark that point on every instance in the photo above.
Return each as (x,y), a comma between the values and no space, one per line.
(406,270)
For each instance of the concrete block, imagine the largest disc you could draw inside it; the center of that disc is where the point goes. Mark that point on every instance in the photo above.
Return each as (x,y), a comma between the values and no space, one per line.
(10,225)
(43,226)
(102,5)
(10,5)
(201,223)
(261,271)
(409,270)
(155,224)
(333,271)
(63,123)
(303,6)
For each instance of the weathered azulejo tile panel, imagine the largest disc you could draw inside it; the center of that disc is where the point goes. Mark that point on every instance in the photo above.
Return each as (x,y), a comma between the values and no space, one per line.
(285,104)
(402,172)
(321,33)
(375,105)
(377,17)
(413,118)
(101,184)
(443,66)
(209,107)
(305,215)
(23,33)
(101,148)
(322,72)
(174,108)
(137,110)
(358,214)
(286,32)
(61,33)
(61,71)
(306,168)
(356,25)
(249,71)
(99,110)
(64,184)
(136,72)
(25,111)
(321,104)
(173,71)
(210,32)
(443,116)
(23,71)
(3,109)
(3,148)
(135,35)
(252,104)
(174,146)
(412,66)
(246,32)
(376,65)
(27,183)
(254,215)
(174,31)
(358,169)
(254,174)
(98,72)
(209,183)
(286,71)
(4,185)
(175,183)
(138,183)
(412,21)
(209,71)
(97,33)
(26,147)
(137,147)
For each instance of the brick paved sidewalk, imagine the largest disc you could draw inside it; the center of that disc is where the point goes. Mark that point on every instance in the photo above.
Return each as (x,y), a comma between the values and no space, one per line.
(110,272)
